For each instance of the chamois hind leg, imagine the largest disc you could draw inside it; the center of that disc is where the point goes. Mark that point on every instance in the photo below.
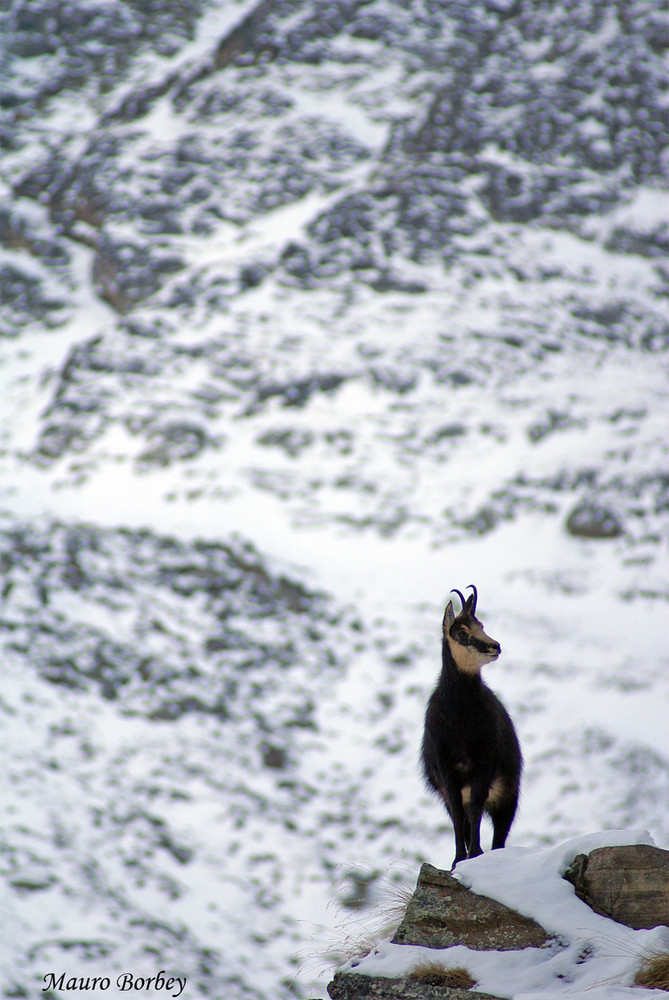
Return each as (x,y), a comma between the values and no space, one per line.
(502,817)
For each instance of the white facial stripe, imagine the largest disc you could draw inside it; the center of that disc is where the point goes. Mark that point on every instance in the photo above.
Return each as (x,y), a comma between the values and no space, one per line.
(468,658)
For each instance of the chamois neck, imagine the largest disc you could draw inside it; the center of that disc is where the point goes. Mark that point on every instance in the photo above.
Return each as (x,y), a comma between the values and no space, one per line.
(452,671)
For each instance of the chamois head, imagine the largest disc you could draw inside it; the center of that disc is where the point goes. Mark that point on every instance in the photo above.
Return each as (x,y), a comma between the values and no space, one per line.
(470,647)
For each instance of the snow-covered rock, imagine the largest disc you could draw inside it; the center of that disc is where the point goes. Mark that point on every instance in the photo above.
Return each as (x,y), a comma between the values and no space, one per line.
(520,932)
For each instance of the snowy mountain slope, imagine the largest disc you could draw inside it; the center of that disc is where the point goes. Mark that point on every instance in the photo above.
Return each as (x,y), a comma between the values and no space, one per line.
(310,315)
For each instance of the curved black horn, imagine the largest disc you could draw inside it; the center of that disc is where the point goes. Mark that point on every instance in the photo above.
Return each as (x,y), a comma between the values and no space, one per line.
(476,597)
(462,600)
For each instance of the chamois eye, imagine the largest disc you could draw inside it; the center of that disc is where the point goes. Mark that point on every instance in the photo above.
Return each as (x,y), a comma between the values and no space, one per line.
(462,636)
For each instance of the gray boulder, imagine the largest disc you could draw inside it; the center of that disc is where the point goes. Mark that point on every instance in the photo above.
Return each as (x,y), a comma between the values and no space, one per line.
(349,986)
(629,884)
(442,913)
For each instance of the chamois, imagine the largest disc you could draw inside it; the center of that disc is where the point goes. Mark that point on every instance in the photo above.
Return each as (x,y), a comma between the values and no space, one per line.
(471,755)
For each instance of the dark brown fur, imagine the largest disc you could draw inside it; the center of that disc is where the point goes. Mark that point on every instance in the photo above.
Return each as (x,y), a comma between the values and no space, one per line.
(471,755)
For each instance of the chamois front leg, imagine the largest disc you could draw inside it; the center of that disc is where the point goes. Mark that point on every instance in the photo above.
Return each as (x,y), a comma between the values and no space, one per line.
(452,796)
(475,808)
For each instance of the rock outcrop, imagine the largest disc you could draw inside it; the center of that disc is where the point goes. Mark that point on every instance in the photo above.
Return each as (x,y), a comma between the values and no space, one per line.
(442,913)
(349,986)
(628,884)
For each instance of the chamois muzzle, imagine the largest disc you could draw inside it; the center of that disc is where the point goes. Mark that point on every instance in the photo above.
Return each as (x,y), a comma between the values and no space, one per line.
(489,647)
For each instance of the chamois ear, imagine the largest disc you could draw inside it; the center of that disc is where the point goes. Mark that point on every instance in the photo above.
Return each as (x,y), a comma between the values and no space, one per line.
(449,618)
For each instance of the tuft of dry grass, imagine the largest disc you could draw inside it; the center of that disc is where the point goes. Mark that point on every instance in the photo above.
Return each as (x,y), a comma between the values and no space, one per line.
(436,974)
(654,972)
(358,934)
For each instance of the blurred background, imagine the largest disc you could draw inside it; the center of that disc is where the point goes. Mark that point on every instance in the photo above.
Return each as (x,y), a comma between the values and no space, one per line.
(312,312)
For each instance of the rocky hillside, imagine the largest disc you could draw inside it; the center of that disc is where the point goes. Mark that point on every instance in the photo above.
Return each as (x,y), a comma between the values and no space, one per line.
(310,313)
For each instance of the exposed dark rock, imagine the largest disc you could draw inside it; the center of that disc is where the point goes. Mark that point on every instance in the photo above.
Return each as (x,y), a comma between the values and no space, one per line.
(417,205)
(442,913)
(250,38)
(628,884)
(274,758)
(552,421)
(173,442)
(151,667)
(591,520)
(298,392)
(252,275)
(484,520)
(414,209)
(653,242)
(617,321)
(387,282)
(25,299)
(359,884)
(291,440)
(80,43)
(125,274)
(19,233)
